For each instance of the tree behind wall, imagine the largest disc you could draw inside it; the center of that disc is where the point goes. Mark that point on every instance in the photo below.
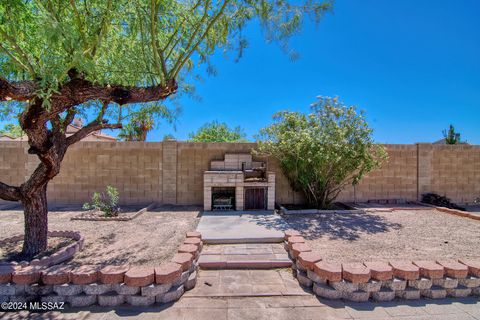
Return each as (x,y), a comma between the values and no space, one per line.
(218,132)
(322,152)
(62,58)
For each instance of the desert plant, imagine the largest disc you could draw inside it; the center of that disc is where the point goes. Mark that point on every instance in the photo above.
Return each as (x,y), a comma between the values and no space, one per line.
(107,202)
(322,152)
(451,137)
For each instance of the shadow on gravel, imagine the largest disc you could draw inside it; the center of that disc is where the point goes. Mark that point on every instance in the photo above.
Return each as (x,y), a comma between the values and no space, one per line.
(347,226)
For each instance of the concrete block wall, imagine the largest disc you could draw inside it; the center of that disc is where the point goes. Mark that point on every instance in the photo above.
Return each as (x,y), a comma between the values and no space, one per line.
(172,172)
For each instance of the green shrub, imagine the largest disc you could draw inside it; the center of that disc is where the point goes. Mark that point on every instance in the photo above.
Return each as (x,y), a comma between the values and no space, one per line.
(107,202)
(322,152)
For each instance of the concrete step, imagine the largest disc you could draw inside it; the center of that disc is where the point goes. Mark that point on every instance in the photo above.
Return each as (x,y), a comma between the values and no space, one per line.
(244,256)
(241,239)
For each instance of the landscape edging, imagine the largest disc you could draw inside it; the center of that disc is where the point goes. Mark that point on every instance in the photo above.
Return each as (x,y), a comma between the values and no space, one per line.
(109,286)
(397,279)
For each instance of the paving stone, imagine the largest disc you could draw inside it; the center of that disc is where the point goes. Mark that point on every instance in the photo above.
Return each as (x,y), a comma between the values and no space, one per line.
(395,284)
(384,294)
(195,241)
(85,274)
(38,289)
(26,275)
(168,273)
(435,292)
(469,282)
(4,299)
(155,289)
(68,289)
(308,259)
(58,274)
(314,277)
(194,234)
(122,288)
(81,300)
(191,282)
(193,267)
(429,269)
(291,233)
(459,292)
(405,270)
(183,259)
(294,239)
(111,299)
(139,276)
(473,266)
(11,289)
(356,296)
(454,269)
(298,248)
(53,298)
(328,270)
(408,294)
(188,248)
(379,270)
(370,286)
(343,286)
(113,274)
(140,301)
(183,278)
(447,282)
(355,272)
(303,279)
(97,288)
(325,291)
(420,284)
(172,295)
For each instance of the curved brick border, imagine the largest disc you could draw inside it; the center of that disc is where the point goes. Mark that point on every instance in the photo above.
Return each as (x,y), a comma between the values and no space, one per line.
(381,281)
(64,254)
(111,285)
(83,216)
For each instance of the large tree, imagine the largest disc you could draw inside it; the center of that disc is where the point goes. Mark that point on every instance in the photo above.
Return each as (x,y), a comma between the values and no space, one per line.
(59,58)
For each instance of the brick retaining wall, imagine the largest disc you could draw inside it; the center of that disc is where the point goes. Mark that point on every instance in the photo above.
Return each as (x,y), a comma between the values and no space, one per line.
(172,172)
(381,281)
(109,286)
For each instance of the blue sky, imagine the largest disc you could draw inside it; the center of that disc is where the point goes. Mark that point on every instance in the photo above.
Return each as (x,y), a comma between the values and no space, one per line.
(412,65)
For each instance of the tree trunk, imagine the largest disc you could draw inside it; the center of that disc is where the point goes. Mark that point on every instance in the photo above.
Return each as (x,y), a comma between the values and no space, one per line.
(36,221)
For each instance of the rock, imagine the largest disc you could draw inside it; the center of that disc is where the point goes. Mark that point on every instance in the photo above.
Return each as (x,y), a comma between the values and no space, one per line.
(435,292)
(82,300)
(315,278)
(183,278)
(446,283)
(459,292)
(356,296)
(344,286)
(408,294)
(38,290)
(469,282)
(371,286)
(324,291)
(173,295)
(68,289)
(53,298)
(96,288)
(11,289)
(122,288)
(142,301)
(110,299)
(191,282)
(155,289)
(303,279)
(420,284)
(395,284)
(384,294)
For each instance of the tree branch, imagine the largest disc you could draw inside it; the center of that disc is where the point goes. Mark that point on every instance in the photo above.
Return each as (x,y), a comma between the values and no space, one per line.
(9,193)
(91,127)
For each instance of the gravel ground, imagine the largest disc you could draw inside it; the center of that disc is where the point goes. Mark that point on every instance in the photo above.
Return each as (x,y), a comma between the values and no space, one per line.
(149,239)
(419,234)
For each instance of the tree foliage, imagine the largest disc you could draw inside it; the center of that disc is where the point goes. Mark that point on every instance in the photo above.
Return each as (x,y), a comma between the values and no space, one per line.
(12,130)
(323,151)
(218,132)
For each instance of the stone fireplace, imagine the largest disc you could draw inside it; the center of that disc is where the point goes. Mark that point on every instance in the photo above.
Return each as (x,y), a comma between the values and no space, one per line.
(238,183)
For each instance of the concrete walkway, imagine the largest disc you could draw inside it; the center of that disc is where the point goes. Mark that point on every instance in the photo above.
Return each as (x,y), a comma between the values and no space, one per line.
(241,227)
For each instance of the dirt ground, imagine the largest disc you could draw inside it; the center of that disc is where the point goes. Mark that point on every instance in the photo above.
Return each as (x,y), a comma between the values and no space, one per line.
(419,234)
(149,239)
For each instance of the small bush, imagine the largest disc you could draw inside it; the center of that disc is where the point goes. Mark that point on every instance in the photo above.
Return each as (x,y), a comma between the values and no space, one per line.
(107,202)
